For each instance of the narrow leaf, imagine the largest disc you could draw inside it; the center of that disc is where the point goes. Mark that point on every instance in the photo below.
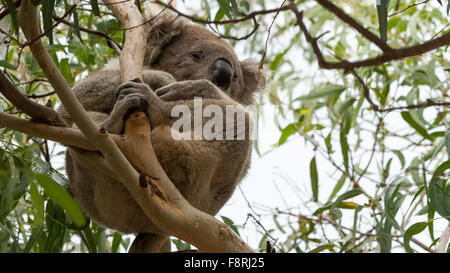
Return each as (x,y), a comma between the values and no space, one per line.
(323,91)
(230,223)
(7,65)
(337,187)
(410,232)
(13,15)
(439,190)
(344,148)
(447,142)
(314,179)
(419,129)
(47,15)
(400,157)
(382,8)
(65,70)
(36,233)
(38,204)
(322,248)
(58,194)
(76,24)
(95,8)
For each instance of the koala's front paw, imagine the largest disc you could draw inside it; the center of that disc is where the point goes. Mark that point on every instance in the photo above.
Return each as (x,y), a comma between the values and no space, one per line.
(131,97)
(157,79)
(133,86)
(187,90)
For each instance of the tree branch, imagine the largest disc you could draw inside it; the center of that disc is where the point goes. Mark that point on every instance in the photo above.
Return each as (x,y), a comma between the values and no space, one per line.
(64,135)
(36,111)
(375,107)
(387,56)
(354,24)
(111,42)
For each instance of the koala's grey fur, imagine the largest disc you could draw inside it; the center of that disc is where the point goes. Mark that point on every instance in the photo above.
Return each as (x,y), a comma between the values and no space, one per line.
(178,61)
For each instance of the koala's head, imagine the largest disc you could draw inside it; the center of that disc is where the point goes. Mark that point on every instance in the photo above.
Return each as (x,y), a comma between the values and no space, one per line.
(191,52)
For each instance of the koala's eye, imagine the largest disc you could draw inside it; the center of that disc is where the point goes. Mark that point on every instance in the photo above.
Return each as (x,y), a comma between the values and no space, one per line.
(196,57)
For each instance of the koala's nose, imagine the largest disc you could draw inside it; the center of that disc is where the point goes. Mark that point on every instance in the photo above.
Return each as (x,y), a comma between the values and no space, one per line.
(222,73)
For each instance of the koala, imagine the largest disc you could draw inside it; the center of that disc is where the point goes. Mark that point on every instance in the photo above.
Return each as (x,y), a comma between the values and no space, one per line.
(182,61)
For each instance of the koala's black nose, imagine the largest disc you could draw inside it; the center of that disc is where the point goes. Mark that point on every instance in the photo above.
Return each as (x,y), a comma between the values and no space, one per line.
(222,74)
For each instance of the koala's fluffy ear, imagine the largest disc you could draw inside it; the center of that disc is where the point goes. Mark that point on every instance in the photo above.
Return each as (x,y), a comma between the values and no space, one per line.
(160,32)
(254,80)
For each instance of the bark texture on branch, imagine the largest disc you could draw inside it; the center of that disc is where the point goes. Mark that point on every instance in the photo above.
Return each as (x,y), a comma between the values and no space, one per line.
(132,56)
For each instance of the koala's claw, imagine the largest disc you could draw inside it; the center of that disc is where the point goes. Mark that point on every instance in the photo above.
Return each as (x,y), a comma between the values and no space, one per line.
(130,103)
(134,86)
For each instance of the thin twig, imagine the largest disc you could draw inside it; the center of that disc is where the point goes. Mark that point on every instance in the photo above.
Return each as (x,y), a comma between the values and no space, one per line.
(408,7)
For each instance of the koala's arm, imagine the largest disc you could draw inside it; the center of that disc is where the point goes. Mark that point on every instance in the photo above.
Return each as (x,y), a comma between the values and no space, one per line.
(97,93)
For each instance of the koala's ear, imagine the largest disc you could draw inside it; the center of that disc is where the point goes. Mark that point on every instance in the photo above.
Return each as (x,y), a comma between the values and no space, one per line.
(254,79)
(160,32)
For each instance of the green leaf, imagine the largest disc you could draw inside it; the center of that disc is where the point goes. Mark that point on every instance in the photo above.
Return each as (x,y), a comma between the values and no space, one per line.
(181,245)
(382,9)
(277,223)
(230,223)
(38,204)
(337,187)
(95,8)
(327,90)
(339,203)
(13,15)
(314,179)
(219,15)
(92,246)
(439,190)
(7,65)
(117,239)
(58,194)
(65,70)
(400,157)
(76,24)
(392,202)
(55,230)
(287,132)
(345,105)
(35,234)
(344,148)
(447,142)
(47,16)
(419,129)
(225,7)
(410,232)
(234,7)
(322,248)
